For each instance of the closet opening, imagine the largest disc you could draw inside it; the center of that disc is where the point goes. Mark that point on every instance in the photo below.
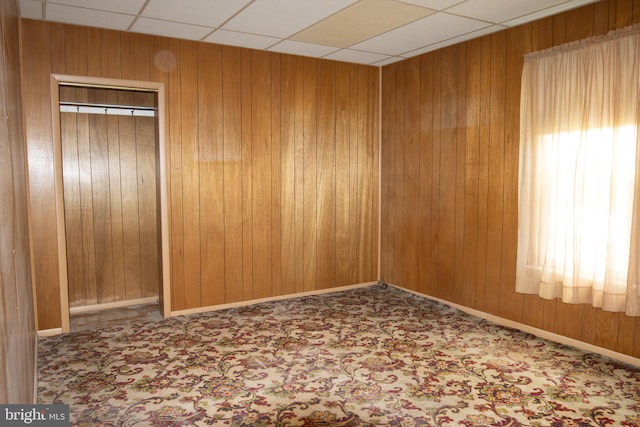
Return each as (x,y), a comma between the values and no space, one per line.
(111,202)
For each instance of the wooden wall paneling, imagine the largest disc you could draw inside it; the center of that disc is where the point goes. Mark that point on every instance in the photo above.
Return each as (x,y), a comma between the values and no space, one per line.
(459,142)
(425,207)
(342,190)
(73,212)
(368,185)
(601,17)
(58,53)
(287,168)
(175,166)
(87,217)
(41,172)
(412,173)
(625,337)
(247,190)
(621,14)
(396,159)
(354,206)
(447,165)
(94,54)
(127,132)
(276,198)
(460,170)
(211,173)
(471,166)
(162,63)
(435,143)
(261,174)
(636,11)
(17,329)
(518,43)
(148,215)
(232,97)
(110,60)
(496,172)
(310,181)
(190,174)
(326,155)
(299,172)
(115,201)
(76,50)
(374,99)
(135,51)
(363,190)
(385,148)
(483,173)
(101,203)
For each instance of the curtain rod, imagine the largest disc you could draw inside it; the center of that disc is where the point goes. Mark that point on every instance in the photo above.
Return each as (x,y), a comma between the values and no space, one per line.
(109,109)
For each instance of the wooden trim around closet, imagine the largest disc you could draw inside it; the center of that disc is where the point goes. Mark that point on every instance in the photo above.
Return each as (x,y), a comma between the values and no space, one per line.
(61,79)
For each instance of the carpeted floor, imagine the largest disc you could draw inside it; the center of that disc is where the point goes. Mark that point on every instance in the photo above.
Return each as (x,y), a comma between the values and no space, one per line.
(372,356)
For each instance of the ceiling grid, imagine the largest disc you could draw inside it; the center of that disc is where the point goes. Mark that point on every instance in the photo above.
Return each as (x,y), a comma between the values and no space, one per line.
(372,32)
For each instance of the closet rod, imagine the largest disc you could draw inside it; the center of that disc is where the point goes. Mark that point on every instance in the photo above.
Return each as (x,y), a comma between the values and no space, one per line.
(110,109)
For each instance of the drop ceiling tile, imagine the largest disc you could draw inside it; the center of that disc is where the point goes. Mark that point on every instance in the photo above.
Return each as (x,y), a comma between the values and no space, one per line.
(391,60)
(434,4)
(283,18)
(499,10)
(31,9)
(170,29)
(547,12)
(89,17)
(427,31)
(234,38)
(304,49)
(454,40)
(360,21)
(207,13)
(357,56)
(130,7)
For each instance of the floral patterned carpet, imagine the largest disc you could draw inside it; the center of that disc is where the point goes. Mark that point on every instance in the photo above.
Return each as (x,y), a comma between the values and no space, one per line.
(374,356)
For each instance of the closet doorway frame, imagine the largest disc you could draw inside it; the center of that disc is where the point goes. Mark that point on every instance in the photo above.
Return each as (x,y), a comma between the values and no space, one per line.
(58,80)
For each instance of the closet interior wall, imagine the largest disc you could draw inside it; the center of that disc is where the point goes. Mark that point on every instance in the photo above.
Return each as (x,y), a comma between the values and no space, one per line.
(110,198)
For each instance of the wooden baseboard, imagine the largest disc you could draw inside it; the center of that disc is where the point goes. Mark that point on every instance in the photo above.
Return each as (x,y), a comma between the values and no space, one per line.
(111,305)
(49,332)
(260,300)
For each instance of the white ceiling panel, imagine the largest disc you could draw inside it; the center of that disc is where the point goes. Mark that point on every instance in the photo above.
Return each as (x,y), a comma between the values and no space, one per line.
(376,32)
(546,12)
(131,7)
(31,9)
(234,38)
(170,29)
(283,18)
(434,4)
(454,40)
(207,13)
(499,10)
(357,56)
(89,17)
(301,48)
(432,29)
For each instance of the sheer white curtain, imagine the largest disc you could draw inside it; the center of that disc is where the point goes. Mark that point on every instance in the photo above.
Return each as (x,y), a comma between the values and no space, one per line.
(579,201)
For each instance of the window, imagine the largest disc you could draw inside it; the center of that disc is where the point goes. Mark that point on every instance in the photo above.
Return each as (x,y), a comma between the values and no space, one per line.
(579,201)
